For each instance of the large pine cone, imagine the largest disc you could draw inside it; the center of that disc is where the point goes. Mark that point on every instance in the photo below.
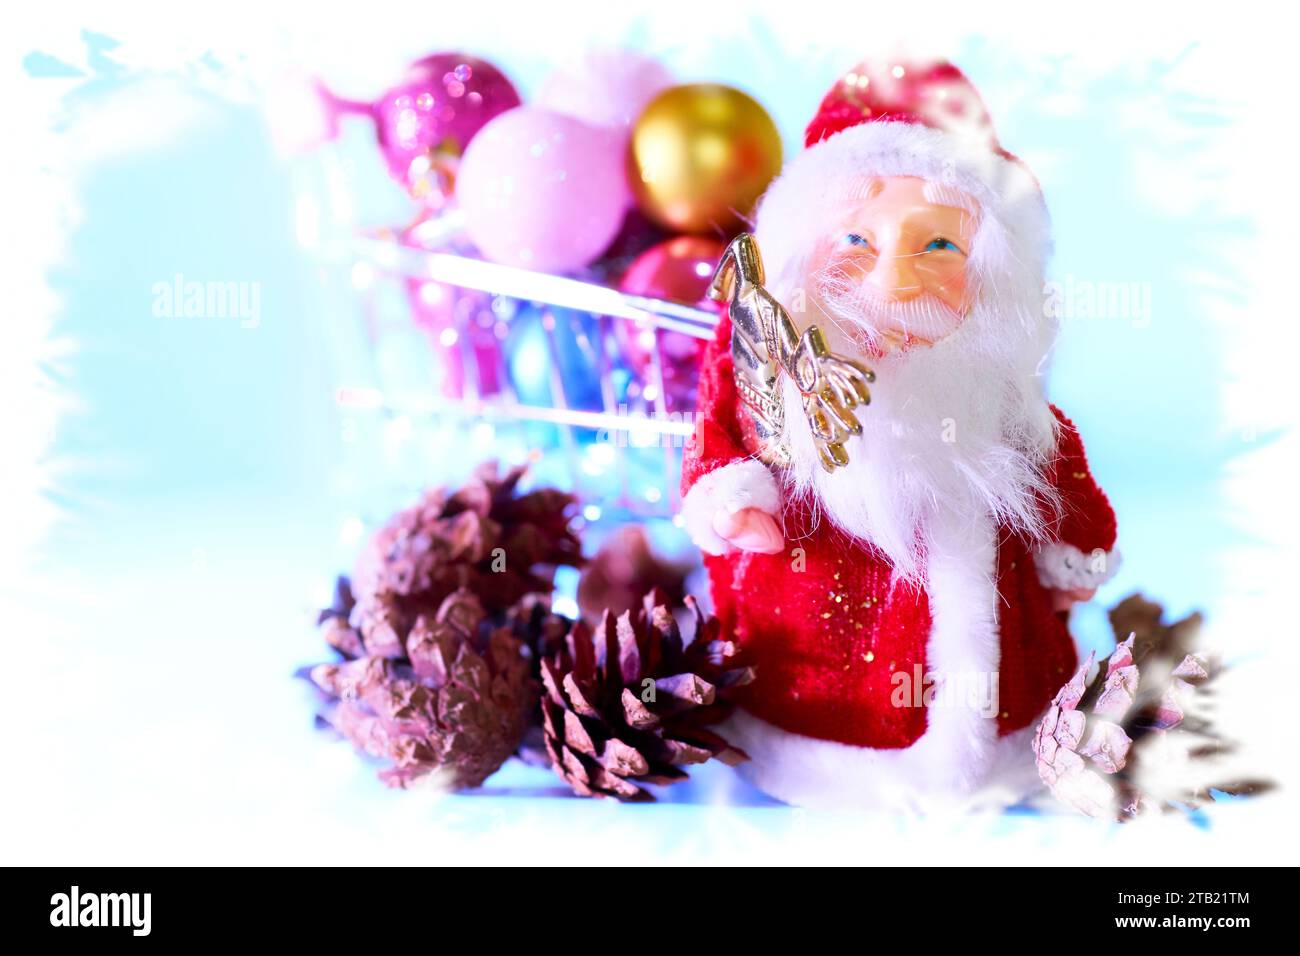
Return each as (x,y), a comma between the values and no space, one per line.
(484,536)
(446,701)
(629,704)
(1130,739)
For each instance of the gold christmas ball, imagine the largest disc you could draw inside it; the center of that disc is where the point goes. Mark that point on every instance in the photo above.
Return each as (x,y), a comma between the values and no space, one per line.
(701,156)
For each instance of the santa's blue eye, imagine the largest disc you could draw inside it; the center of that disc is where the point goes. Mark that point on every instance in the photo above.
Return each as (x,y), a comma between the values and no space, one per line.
(853,239)
(942,245)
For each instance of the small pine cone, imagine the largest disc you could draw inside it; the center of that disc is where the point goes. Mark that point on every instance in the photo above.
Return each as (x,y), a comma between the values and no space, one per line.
(1104,740)
(447,699)
(623,571)
(629,704)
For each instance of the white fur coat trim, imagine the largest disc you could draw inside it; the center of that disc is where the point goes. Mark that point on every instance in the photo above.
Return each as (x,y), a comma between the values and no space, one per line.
(1065,567)
(745,483)
(824,775)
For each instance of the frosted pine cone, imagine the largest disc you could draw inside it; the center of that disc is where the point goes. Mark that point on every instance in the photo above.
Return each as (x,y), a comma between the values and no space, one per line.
(1062,753)
(447,700)
(1123,742)
(628,704)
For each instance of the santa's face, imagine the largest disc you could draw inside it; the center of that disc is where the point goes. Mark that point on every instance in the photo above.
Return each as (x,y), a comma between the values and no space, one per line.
(892,270)
(957,424)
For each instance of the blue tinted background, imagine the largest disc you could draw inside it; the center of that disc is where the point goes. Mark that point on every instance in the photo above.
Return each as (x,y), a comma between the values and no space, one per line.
(205,478)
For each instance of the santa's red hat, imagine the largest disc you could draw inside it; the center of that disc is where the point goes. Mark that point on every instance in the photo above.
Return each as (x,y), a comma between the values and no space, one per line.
(934,94)
(903,118)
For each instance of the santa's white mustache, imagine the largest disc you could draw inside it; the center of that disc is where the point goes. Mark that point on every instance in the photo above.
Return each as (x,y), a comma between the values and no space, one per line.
(876,322)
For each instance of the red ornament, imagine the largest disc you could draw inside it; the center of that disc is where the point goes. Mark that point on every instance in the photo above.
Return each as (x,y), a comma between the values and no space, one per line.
(678,270)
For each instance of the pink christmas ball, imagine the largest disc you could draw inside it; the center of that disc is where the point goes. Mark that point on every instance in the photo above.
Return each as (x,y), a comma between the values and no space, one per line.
(542,191)
(425,122)
(605,88)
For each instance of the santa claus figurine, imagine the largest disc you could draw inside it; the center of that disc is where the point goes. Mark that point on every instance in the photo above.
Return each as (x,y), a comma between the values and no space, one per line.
(899,572)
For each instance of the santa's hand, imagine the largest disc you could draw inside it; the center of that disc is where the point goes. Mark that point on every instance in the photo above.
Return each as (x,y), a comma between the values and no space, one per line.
(1063,600)
(749,529)
(845,380)
(836,383)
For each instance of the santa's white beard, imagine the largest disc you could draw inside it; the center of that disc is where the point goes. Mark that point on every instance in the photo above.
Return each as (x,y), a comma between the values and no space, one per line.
(954,433)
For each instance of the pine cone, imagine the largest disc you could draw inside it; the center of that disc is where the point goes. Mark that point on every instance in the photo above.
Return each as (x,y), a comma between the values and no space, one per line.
(447,699)
(484,536)
(628,704)
(1104,742)
(543,632)
(623,571)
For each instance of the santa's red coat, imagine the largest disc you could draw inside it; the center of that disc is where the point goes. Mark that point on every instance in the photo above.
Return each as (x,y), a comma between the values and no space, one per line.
(828,632)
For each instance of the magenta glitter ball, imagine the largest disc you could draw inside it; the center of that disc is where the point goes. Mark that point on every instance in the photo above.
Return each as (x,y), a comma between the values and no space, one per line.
(429,118)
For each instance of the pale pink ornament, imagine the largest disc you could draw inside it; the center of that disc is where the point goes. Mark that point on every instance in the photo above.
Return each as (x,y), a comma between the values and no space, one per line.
(542,191)
(605,88)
